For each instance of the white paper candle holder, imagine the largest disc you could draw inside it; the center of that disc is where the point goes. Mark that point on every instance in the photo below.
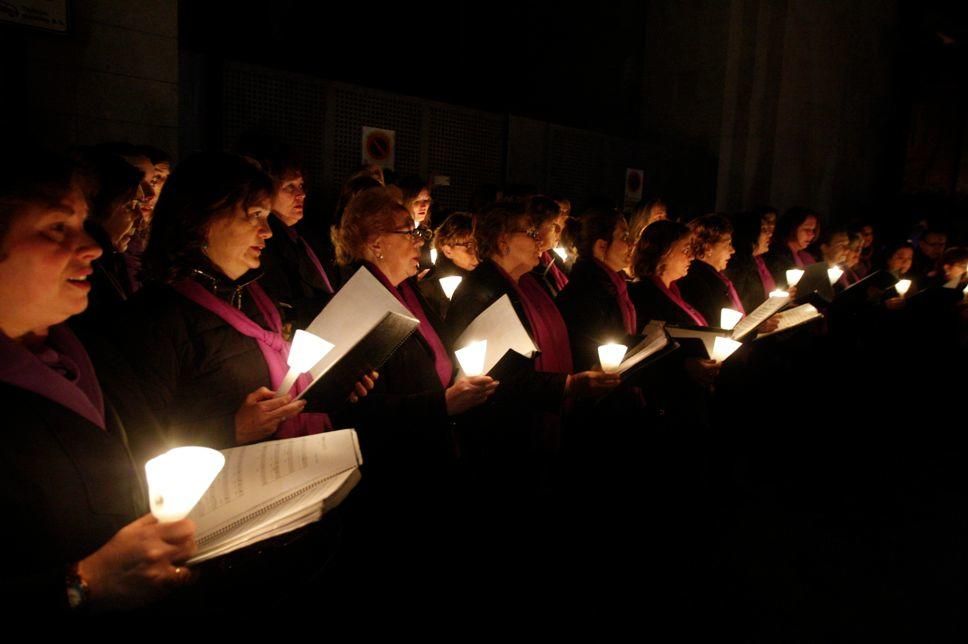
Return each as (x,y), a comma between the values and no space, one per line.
(178,478)
(471,358)
(611,356)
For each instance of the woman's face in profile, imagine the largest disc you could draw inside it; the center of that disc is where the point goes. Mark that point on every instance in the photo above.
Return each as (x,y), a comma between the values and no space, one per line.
(678,259)
(235,240)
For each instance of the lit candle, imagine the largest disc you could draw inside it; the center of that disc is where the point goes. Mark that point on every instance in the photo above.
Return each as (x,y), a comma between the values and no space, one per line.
(561,252)
(729,318)
(611,356)
(834,274)
(724,347)
(178,478)
(306,350)
(449,284)
(471,358)
(779,293)
(793,276)
(902,287)
(433,255)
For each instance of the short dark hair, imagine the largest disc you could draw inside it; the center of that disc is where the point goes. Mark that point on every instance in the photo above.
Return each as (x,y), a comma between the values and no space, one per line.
(113,182)
(493,222)
(596,223)
(707,230)
(458,225)
(955,255)
(792,219)
(199,190)
(653,244)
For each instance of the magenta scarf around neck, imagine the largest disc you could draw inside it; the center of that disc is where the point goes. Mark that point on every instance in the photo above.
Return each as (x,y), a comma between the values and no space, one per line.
(622,295)
(77,390)
(274,349)
(296,237)
(560,279)
(547,326)
(672,292)
(766,278)
(407,297)
(733,295)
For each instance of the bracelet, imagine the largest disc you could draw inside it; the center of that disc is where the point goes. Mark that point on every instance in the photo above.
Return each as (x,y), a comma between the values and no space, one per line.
(78,592)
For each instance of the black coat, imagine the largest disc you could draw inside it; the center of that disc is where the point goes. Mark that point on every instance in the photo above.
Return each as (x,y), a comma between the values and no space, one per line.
(705,291)
(743,273)
(67,488)
(652,304)
(589,305)
(290,278)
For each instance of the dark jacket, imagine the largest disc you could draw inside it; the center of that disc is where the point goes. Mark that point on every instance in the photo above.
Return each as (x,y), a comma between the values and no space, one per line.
(652,304)
(705,291)
(591,311)
(430,287)
(110,284)
(290,278)
(67,488)
(743,273)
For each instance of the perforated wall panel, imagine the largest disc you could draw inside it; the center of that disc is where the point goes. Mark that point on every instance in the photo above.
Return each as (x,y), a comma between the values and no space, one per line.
(468,147)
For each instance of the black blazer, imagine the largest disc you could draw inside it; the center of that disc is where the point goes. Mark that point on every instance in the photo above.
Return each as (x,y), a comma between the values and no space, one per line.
(705,291)
(290,278)
(591,311)
(67,487)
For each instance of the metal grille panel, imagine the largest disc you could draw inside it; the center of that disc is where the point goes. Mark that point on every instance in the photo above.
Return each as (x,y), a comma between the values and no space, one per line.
(468,147)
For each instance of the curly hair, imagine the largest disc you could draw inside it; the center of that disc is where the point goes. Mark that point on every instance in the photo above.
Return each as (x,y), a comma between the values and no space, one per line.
(201,189)
(653,246)
(707,231)
(368,214)
(494,221)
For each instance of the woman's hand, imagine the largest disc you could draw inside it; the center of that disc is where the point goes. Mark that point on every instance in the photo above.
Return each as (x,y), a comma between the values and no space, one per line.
(363,386)
(139,563)
(587,384)
(703,372)
(772,324)
(468,393)
(261,413)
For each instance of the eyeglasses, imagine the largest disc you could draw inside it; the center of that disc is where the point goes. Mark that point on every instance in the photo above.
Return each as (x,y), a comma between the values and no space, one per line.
(471,246)
(416,234)
(530,232)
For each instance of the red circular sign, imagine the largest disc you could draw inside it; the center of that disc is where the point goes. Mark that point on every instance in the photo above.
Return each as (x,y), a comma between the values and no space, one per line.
(378,146)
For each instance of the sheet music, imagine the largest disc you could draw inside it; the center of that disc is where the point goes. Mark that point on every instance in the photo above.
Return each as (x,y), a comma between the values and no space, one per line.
(501,327)
(795,317)
(759,315)
(352,313)
(651,345)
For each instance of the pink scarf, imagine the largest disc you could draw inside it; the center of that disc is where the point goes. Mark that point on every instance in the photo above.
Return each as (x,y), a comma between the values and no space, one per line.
(672,292)
(297,238)
(407,297)
(61,372)
(560,279)
(274,349)
(622,296)
(547,326)
(766,278)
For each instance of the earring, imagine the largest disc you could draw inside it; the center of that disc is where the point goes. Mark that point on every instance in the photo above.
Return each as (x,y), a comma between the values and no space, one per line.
(379,256)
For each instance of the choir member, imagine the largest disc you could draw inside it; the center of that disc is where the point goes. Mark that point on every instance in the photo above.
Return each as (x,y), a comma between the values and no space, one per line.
(545,213)
(795,231)
(645,213)
(706,287)
(456,257)
(746,269)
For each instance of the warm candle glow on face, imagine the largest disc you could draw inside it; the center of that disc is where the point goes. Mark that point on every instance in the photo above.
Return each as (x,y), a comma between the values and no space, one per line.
(471,358)
(779,293)
(178,478)
(611,356)
(433,255)
(793,276)
(561,252)
(902,287)
(449,284)
(724,347)
(834,274)
(729,318)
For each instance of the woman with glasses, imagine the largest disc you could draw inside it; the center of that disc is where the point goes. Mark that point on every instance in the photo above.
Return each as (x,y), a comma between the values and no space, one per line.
(402,511)
(456,257)
(595,304)
(545,213)
(208,338)
(294,277)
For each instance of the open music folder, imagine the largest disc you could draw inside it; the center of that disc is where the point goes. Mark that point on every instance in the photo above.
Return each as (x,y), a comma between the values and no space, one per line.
(366,324)
(271,488)
(500,326)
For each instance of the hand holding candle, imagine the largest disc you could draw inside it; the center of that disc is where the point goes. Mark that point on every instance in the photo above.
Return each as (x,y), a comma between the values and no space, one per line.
(306,350)
(611,356)
(471,358)
(793,276)
(729,318)
(450,284)
(178,478)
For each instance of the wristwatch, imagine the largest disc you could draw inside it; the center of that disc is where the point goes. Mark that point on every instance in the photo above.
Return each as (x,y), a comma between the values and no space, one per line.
(78,591)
